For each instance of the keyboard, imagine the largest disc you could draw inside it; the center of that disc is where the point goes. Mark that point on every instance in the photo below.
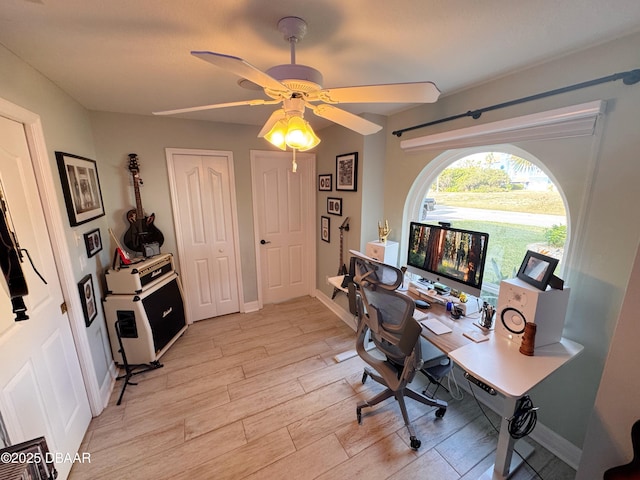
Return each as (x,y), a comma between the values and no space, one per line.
(436,326)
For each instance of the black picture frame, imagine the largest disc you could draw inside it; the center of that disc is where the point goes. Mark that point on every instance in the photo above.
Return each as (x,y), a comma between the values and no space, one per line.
(88,299)
(537,269)
(81,188)
(347,172)
(325,182)
(93,242)
(334,206)
(325,229)
(38,461)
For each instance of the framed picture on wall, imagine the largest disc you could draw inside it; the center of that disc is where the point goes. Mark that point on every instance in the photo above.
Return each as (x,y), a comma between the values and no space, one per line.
(325,230)
(93,242)
(88,299)
(334,206)
(81,188)
(325,182)
(347,172)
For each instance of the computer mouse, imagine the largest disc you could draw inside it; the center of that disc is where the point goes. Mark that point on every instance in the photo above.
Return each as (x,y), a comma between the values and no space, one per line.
(422,304)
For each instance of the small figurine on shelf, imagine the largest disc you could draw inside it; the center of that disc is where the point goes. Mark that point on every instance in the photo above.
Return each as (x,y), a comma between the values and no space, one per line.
(383,231)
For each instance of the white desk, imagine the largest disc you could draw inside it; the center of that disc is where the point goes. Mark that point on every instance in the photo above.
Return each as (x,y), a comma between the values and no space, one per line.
(499,364)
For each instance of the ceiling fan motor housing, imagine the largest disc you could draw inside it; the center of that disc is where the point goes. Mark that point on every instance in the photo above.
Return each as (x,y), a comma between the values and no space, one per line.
(299,78)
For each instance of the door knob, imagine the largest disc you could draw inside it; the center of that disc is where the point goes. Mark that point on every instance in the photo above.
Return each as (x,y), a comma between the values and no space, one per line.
(263,241)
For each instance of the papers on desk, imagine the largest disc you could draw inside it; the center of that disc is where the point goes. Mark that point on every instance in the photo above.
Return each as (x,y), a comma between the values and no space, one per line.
(419,316)
(476,336)
(436,326)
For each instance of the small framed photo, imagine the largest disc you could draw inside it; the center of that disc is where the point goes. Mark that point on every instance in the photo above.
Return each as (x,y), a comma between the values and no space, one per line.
(347,172)
(88,299)
(81,188)
(537,269)
(334,206)
(93,242)
(325,230)
(325,182)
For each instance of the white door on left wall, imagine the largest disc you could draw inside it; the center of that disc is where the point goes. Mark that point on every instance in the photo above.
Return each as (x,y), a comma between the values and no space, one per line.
(41,387)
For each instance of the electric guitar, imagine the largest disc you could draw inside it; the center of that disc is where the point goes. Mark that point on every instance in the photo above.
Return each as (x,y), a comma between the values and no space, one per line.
(342,268)
(631,470)
(141,228)
(10,259)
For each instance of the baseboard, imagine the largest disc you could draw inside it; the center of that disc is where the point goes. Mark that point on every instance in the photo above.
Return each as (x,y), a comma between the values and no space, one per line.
(343,314)
(557,445)
(250,307)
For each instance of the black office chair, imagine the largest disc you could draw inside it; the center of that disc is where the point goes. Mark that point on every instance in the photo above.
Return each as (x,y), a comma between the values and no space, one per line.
(386,316)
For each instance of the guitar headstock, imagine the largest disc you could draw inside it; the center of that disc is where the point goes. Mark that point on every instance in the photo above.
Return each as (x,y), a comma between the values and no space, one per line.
(133,163)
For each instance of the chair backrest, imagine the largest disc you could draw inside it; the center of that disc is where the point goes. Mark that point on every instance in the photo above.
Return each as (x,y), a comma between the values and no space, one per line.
(387,313)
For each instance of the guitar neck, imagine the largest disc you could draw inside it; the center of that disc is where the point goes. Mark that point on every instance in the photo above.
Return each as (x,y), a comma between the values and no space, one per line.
(136,189)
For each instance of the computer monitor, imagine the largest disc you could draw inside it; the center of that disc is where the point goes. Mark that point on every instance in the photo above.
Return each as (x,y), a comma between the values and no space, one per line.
(449,256)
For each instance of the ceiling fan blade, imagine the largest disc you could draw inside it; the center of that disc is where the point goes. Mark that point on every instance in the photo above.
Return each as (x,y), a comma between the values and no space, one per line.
(242,69)
(275,116)
(217,105)
(346,119)
(418,92)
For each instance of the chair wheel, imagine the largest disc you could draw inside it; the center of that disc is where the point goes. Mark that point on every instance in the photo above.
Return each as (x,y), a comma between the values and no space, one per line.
(365,375)
(415,443)
(440,412)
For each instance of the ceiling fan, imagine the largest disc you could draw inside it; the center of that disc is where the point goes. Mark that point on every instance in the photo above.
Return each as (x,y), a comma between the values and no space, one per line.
(299,86)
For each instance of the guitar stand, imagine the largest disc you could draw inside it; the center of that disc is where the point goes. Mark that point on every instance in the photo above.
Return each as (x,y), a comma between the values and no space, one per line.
(131,370)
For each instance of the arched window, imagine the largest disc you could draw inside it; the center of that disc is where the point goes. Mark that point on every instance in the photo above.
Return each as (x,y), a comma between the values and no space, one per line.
(505,192)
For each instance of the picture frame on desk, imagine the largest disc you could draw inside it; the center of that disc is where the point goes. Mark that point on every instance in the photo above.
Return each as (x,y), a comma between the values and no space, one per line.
(537,269)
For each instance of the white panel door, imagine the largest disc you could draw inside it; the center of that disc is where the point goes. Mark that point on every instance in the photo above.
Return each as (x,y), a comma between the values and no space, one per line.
(41,388)
(204,213)
(284,211)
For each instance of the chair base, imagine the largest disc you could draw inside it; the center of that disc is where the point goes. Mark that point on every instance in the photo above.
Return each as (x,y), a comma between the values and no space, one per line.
(435,375)
(400,396)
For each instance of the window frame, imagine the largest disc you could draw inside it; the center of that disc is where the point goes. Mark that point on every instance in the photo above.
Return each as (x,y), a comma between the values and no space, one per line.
(434,168)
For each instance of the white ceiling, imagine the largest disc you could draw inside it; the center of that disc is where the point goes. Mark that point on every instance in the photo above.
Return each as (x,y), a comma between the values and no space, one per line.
(132,56)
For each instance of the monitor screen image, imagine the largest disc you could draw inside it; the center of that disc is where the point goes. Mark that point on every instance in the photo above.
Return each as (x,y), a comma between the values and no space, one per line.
(449,255)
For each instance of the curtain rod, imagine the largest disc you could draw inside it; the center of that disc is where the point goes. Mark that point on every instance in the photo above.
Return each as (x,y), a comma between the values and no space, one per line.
(628,78)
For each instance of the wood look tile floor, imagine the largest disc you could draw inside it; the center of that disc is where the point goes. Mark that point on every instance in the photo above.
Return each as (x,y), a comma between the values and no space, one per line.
(259,396)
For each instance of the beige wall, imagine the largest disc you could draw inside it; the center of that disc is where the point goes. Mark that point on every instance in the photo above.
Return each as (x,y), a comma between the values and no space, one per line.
(117,135)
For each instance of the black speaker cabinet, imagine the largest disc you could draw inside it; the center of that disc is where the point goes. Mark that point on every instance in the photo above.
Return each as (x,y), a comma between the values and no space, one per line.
(150,321)
(520,303)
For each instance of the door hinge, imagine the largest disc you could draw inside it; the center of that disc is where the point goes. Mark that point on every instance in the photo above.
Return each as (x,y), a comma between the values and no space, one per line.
(63,307)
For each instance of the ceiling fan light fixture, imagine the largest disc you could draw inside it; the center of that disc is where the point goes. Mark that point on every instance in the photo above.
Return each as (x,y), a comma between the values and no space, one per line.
(300,135)
(293,132)
(276,136)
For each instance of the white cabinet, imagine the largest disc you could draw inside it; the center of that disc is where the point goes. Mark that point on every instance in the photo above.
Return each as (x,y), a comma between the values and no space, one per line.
(386,252)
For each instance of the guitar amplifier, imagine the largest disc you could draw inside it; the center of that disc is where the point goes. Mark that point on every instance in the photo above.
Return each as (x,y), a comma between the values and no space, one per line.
(150,322)
(137,277)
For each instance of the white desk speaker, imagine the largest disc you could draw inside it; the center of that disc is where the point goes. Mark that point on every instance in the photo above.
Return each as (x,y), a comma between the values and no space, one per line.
(519,303)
